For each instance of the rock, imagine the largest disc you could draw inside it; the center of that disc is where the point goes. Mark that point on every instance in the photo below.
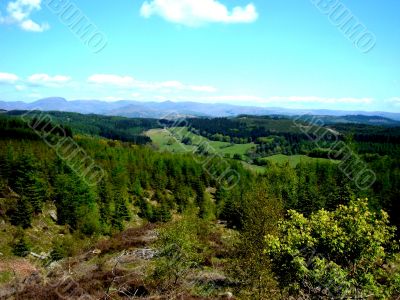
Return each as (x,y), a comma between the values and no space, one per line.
(43,257)
(53,215)
(54,265)
(96,251)
(9,193)
(227,295)
(132,255)
(146,253)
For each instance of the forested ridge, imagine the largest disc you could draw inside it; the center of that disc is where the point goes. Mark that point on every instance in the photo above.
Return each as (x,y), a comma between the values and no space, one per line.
(306,231)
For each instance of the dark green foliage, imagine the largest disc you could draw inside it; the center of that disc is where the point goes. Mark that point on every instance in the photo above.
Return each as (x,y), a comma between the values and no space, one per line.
(105,202)
(161,213)
(251,267)
(21,247)
(36,190)
(115,128)
(187,140)
(57,253)
(121,212)
(75,203)
(16,128)
(345,253)
(61,249)
(145,209)
(22,214)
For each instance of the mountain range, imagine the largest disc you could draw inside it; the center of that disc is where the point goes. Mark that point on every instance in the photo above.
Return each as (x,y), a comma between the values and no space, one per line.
(169,109)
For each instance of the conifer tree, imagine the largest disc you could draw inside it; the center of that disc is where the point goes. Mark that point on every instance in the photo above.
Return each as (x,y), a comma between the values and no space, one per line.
(22,215)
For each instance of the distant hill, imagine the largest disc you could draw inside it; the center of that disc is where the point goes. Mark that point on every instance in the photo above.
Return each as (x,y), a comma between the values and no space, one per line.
(136,109)
(353,119)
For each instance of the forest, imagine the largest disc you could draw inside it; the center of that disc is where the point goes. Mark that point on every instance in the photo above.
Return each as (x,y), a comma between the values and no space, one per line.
(289,232)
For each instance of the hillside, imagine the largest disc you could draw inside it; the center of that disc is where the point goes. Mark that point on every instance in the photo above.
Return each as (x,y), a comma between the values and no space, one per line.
(170,109)
(162,223)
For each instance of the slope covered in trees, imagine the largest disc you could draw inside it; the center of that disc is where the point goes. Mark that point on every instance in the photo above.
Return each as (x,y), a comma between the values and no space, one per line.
(311,205)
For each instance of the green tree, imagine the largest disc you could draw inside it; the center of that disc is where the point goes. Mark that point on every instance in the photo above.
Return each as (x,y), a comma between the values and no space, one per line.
(105,199)
(76,205)
(252,267)
(161,213)
(36,191)
(121,211)
(179,248)
(341,254)
(22,214)
(21,247)
(145,209)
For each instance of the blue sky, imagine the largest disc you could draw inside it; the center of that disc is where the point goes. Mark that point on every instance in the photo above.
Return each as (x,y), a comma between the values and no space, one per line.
(275,53)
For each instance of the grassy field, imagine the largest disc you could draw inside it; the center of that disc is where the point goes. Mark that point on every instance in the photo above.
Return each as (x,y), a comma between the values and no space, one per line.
(294,160)
(254,168)
(165,141)
(170,140)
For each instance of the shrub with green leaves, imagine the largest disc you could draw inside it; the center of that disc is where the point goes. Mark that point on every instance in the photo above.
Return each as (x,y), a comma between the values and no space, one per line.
(345,253)
(21,247)
(181,245)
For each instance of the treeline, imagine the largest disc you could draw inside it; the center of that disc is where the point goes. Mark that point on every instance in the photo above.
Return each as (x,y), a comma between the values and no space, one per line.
(116,128)
(248,128)
(279,135)
(276,214)
(19,129)
(137,180)
(272,135)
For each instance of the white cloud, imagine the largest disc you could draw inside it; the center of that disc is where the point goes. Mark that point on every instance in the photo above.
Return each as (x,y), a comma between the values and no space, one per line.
(395,101)
(280,100)
(111,79)
(29,25)
(8,78)
(198,12)
(130,82)
(47,80)
(235,98)
(322,100)
(19,12)
(204,88)
(35,95)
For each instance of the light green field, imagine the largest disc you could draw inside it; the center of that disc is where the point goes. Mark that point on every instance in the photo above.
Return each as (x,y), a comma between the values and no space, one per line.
(294,160)
(254,168)
(165,141)
(170,140)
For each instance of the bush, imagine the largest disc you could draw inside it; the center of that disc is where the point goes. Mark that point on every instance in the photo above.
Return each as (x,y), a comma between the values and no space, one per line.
(21,248)
(341,254)
(180,249)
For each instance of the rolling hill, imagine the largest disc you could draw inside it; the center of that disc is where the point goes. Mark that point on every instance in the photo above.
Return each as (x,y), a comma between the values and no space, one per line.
(136,109)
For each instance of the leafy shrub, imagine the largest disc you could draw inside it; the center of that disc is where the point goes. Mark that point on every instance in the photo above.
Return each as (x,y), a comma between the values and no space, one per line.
(345,253)
(21,248)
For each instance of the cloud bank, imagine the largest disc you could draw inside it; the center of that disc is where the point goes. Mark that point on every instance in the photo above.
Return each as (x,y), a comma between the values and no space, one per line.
(130,82)
(19,12)
(198,12)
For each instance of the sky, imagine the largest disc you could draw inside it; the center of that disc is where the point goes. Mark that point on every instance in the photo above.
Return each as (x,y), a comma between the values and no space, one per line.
(333,54)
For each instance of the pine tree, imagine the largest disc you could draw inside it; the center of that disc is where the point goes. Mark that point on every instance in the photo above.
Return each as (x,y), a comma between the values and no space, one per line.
(23,172)
(21,248)
(22,215)
(162,213)
(105,199)
(145,209)
(137,188)
(36,192)
(121,212)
